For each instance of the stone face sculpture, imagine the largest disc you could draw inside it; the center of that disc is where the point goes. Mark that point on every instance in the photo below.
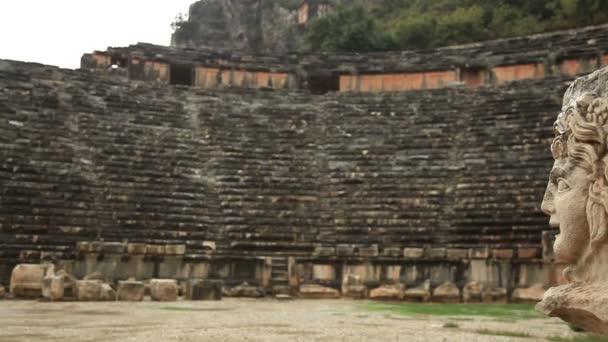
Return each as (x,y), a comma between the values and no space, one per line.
(577,202)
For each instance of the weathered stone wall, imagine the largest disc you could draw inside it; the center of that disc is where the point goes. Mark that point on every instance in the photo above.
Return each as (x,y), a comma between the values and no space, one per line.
(491,63)
(443,183)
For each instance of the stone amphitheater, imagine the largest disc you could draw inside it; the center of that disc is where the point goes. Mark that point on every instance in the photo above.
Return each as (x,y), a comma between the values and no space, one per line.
(414,175)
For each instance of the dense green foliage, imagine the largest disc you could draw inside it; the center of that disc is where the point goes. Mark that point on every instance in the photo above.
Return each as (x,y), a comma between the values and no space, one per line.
(378,25)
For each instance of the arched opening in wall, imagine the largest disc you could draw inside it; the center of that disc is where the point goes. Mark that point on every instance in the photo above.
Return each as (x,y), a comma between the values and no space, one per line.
(182,74)
(319,84)
(119,61)
(473,77)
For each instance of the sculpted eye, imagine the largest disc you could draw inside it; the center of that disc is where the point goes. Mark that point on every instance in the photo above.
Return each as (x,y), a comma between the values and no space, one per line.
(562,185)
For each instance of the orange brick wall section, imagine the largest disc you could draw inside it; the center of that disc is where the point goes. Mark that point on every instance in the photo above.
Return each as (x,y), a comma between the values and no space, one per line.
(102,61)
(605,60)
(396,82)
(510,73)
(160,71)
(206,77)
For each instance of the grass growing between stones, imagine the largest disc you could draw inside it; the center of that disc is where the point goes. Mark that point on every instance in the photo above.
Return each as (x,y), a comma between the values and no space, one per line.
(501,311)
(586,338)
(502,333)
(450,325)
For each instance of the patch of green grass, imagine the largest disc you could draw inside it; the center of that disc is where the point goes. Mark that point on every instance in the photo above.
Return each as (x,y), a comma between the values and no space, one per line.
(182,308)
(450,325)
(504,311)
(502,333)
(585,338)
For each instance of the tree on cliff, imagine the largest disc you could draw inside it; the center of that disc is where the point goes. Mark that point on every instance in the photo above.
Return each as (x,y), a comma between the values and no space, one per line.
(415,24)
(347,29)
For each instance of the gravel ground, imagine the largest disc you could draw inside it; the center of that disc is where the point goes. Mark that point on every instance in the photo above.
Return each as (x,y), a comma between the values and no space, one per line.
(247,320)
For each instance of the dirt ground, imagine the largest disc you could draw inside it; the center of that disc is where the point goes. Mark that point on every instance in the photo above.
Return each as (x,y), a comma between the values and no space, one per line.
(249,320)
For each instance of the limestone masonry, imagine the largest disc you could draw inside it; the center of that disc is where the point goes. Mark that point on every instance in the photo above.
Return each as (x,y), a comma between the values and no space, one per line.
(367,190)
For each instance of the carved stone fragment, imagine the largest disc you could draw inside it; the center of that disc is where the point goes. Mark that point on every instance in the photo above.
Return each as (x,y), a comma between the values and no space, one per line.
(131,291)
(163,290)
(53,287)
(26,280)
(576,200)
(88,290)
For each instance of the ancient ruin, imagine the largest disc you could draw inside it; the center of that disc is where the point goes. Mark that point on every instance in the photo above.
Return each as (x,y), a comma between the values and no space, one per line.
(576,201)
(413,175)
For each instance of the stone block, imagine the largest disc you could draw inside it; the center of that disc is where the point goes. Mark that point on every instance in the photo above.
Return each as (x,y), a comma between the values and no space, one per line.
(413,253)
(494,295)
(479,253)
(87,290)
(502,253)
(108,294)
(394,252)
(352,287)
(369,251)
(393,273)
(88,247)
(321,251)
(528,253)
(26,280)
(434,253)
(137,248)
(2,292)
(324,272)
(246,291)
(53,287)
(113,247)
(175,249)
(131,291)
(345,250)
(209,246)
(388,292)
(420,293)
(164,290)
(532,294)
(312,291)
(205,289)
(472,292)
(457,253)
(447,292)
(155,250)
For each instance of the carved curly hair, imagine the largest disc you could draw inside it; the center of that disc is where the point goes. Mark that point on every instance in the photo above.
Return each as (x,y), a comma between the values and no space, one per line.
(584,125)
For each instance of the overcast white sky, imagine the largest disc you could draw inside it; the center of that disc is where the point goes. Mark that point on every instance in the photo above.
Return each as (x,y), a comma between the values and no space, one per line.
(58,32)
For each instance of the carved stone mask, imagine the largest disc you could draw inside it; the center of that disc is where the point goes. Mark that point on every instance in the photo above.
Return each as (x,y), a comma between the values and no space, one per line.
(577,196)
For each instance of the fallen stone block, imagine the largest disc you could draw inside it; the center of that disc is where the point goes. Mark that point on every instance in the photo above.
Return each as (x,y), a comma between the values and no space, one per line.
(2,292)
(164,290)
(26,280)
(532,294)
(207,290)
(131,291)
(472,292)
(312,291)
(447,292)
(108,294)
(53,288)
(388,292)
(420,293)
(494,295)
(245,290)
(88,290)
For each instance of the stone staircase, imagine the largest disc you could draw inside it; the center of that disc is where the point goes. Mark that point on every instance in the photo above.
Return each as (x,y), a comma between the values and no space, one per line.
(280,276)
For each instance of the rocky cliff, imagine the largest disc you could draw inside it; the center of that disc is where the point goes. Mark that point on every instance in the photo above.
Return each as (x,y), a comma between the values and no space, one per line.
(243,25)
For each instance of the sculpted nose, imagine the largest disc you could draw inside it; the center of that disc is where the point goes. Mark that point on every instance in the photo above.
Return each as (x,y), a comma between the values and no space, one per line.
(547,207)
